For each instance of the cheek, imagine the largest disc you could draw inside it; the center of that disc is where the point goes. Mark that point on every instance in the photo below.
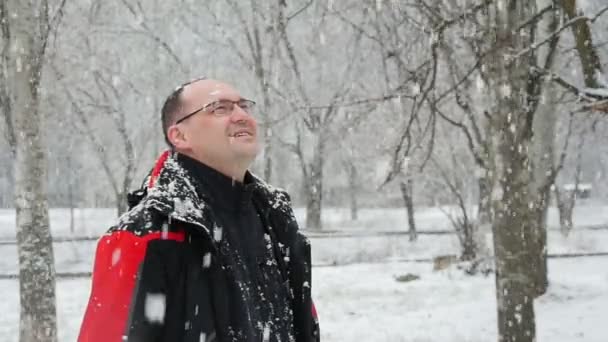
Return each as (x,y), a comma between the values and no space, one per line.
(214,137)
(196,138)
(253,123)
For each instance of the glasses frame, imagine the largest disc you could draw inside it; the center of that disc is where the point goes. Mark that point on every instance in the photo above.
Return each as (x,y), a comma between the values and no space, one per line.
(250,103)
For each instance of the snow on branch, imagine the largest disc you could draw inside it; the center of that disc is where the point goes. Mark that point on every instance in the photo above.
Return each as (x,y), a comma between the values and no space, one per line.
(595,99)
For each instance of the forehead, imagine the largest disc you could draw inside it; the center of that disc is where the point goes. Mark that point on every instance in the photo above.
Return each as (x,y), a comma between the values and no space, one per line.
(204,91)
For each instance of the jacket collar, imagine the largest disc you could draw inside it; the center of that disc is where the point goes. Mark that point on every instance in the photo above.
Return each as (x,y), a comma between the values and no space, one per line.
(220,191)
(173,194)
(172,191)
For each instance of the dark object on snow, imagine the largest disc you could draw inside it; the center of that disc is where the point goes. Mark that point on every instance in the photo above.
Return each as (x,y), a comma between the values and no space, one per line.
(484,266)
(444,261)
(407,278)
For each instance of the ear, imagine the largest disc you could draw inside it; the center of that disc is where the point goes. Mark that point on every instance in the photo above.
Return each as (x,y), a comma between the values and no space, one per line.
(177,137)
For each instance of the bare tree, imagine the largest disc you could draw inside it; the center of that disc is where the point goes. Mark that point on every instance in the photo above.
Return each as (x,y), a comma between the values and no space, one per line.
(354,137)
(463,222)
(595,90)
(353,185)
(514,217)
(349,163)
(316,120)
(5,103)
(105,100)
(477,126)
(119,102)
(5,106)
(587,52)
(258,24)
(27,24)
(566,200)
(407,79)
(543,105)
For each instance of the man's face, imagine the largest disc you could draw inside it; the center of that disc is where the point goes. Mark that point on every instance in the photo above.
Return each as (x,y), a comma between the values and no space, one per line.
(223,141)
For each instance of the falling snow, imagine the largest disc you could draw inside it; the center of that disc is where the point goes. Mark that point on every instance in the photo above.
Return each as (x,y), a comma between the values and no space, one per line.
(155,307)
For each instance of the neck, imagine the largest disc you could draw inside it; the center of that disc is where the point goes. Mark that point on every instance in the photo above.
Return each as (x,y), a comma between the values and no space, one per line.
(235,170)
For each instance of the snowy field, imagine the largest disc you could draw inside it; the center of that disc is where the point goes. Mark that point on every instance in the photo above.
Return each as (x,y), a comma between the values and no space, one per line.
(361,300)
(93,222)
(78,256)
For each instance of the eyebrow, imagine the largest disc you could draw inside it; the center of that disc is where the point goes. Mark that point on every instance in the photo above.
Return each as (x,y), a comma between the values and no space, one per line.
(224,98)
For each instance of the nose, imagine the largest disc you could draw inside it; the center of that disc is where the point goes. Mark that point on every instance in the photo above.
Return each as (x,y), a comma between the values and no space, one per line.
(239,115)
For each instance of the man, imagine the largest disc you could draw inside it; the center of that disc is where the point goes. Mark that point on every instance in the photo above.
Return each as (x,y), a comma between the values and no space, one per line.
(207,252)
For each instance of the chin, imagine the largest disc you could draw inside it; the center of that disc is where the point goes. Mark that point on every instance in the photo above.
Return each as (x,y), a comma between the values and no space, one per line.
(249,154)
(246,151)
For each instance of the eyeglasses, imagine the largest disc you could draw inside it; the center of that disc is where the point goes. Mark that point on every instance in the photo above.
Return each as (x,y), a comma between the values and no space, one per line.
(222,108)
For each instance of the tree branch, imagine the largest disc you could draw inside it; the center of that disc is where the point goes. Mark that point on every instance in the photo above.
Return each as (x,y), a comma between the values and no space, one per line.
(150,33)
(589,58)
(297,12)
(5,101)
(572,22)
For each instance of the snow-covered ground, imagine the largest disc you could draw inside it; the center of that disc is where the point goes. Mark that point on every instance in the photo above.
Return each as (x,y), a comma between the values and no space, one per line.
(93,222)
(78,256)
(362,300)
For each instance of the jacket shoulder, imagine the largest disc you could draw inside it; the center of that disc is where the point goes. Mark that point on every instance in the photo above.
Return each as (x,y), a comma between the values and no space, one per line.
(277,197)
(139,220)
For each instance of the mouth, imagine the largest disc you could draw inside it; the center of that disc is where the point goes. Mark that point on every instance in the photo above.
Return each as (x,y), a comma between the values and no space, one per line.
(241,134)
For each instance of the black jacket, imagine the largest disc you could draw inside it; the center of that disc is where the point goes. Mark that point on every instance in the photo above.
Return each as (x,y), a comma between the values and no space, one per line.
(168,272)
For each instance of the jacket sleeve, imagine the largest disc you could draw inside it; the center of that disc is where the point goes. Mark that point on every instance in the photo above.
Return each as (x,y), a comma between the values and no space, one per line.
(316,332)
(127,283)
(305,313)
(306,321)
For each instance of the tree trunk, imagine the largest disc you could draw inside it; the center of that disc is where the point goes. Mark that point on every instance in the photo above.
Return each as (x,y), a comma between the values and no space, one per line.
(565,221)
(538,248)
(315,190)
(34,244)
(313,207)
(485,204)
(268,155)
(566,202)
(514,219)
(71,192)
(469,246)
(542,152)
(512,223)
(5,102)
(122,204)
(268,132)
(565,207)
(542,161)
(258,49)
(484,214)
(7,194)
(587,52)
(408,200)
(353,185)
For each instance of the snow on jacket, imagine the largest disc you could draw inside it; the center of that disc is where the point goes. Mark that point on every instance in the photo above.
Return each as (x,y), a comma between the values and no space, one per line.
(160,273)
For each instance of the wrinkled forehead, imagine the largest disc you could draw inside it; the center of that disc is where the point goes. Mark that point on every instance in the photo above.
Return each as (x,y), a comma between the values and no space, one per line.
(203,92)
